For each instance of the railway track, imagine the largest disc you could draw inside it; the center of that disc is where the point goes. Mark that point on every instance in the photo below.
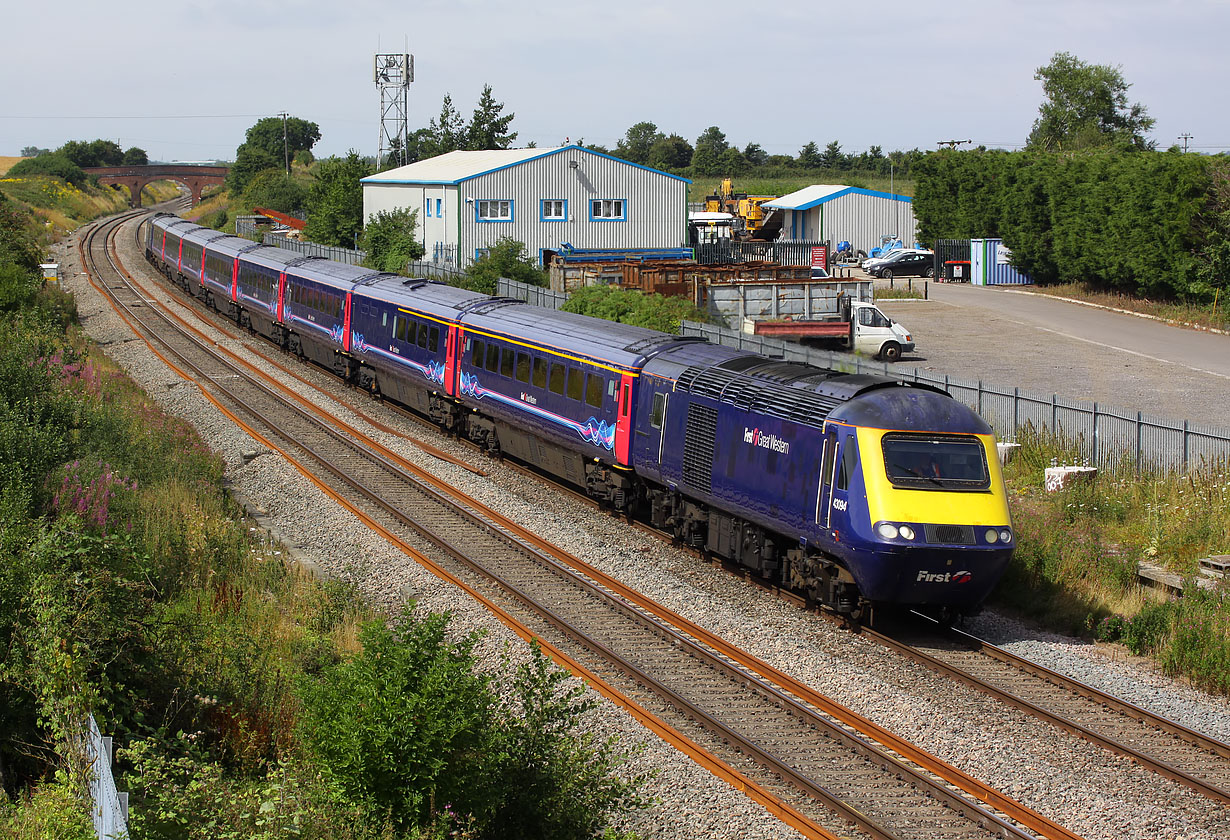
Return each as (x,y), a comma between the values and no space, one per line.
(1167,748)
(804,757)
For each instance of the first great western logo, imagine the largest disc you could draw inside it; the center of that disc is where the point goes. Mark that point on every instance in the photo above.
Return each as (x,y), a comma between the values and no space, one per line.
(766,440)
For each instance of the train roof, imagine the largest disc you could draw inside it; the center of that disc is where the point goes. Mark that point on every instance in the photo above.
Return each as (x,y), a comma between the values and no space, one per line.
(338,275)
(913,409)
(269,256)
(618,344)
(789,390)
(427,296)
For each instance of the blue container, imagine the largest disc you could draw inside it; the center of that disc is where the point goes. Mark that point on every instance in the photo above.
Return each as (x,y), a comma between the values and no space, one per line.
(989,264)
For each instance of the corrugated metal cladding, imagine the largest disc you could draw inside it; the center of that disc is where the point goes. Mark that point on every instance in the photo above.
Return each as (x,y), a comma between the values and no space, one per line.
(989,264)
(654,204)
(858,219)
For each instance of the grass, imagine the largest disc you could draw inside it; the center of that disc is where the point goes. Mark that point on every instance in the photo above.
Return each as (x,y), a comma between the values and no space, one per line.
(60,206)
(1077,552)
(1187,314)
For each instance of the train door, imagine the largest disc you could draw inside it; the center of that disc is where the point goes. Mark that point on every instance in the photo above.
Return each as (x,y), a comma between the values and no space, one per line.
(281,295)
(452,348)
(623,421)
(828,476)
(647,437)
(346,309)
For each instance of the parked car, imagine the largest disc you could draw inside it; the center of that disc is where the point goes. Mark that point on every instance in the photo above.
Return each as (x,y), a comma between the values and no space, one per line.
(872,262)
(906,264)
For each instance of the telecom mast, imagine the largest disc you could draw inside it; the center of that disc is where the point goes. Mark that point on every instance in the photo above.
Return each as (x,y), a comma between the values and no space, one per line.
(393,73)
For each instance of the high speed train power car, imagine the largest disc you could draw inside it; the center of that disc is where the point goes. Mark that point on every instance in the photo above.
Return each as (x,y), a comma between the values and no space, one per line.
(854,490)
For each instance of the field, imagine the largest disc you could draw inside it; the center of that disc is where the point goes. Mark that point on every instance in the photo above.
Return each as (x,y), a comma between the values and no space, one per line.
(6,162)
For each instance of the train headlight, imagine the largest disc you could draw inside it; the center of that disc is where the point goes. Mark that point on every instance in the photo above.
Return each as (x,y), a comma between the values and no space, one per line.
(1005,535)
(992,535)
(887,530)
(906,532)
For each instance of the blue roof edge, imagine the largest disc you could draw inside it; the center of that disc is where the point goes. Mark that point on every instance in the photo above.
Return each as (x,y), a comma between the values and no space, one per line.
(854,191)
(372,178)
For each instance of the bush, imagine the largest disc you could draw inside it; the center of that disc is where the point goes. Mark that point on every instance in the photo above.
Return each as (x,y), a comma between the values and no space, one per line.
(390,242)
(627,306)
(275,190)
(56,165)
(507,258)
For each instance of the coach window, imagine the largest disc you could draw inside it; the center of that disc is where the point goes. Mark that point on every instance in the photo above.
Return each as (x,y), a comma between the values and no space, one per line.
(658,411)
(423,336)
(493,358)
(540,372)
(508,362)
(558,374)
(849,460)
(594,389)
(478,354)
(576,383)
(523,368)
(434,339)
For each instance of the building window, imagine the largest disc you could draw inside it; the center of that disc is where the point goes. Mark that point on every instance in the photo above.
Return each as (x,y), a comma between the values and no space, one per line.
(611,209)
(428,211)
(439,208)
(554,210)
(493,211)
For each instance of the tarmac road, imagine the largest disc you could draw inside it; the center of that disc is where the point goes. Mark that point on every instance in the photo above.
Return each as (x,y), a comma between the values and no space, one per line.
(1014,338)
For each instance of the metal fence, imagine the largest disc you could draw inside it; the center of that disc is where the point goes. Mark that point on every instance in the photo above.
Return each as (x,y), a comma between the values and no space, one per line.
(732,251)
(1105,436)
(110,810)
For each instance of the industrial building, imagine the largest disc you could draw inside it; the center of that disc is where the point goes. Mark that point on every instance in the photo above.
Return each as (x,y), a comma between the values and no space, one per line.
(545,198)
(839,213)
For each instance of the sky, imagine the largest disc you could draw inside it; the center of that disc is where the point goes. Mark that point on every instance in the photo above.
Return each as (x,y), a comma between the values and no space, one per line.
(184,80)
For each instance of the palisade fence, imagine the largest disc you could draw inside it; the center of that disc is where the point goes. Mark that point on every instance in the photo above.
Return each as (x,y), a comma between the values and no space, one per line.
(110,811)
(1107,437)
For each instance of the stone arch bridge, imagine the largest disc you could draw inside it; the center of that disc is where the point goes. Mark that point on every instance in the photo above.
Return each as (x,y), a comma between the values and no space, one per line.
(136,177)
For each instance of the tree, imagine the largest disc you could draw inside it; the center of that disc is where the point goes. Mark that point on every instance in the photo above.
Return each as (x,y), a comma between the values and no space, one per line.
(1086,107)
(135,156)
(637,142)
(335,201)
(672,154)
(732,162)
(267,135)
(755,155)
(487,128)
(93,152)
(628,306)
(249,161)
(389,240)
(445,133)
(833,157)
(33,151)
(707,157)
(273,189)
(809,157)
(507,258)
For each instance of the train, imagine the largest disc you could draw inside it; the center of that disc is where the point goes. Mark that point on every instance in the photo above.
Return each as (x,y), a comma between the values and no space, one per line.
(854,490)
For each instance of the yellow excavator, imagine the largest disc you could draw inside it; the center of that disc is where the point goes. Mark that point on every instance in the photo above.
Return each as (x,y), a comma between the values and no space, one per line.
(751,221)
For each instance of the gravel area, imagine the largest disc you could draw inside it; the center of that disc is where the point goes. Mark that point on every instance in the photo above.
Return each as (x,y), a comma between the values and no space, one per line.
(1072,782)
(969,336)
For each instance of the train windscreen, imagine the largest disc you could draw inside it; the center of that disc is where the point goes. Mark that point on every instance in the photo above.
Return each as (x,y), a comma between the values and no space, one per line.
(950,462)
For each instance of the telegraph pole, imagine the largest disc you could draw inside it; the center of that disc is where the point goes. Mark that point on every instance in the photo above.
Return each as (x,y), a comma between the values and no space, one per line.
(1185,137)
(285,143)
(952,144)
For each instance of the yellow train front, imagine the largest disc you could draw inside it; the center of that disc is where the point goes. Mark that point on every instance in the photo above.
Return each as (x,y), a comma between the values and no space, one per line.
(855,490)
(913,503)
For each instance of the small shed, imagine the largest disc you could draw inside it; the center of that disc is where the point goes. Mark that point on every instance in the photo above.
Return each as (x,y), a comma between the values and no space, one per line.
(840,213)
(990,264)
